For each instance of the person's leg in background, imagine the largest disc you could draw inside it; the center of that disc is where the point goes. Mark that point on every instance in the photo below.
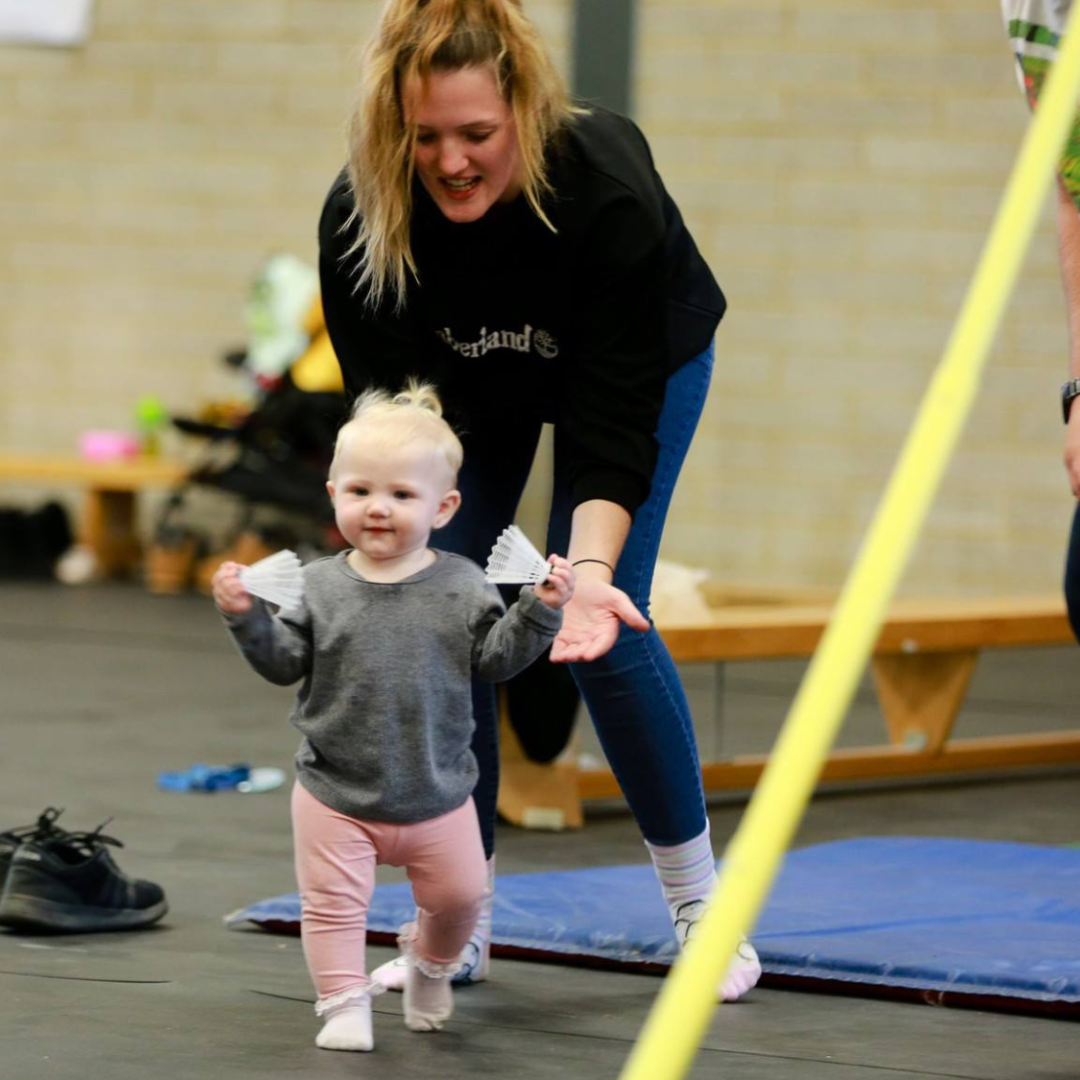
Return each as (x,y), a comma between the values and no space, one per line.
(542,705)
(1072,575)
(635,696)
(498,458)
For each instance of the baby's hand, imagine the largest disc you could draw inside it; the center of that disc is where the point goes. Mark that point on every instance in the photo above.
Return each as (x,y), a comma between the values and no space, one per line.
(558,586)
(229,594)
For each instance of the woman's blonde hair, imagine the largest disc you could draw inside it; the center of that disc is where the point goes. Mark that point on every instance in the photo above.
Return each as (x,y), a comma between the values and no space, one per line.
(415,38)
(394,420)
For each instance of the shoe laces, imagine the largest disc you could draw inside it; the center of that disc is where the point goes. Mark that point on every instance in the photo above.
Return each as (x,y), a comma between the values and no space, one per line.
(89,842)
(45,828)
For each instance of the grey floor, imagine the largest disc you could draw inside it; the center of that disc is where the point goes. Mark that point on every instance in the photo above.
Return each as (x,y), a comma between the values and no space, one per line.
(104,687)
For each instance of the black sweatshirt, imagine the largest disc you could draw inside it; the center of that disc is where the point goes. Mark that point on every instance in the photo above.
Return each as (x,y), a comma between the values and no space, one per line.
(580,327)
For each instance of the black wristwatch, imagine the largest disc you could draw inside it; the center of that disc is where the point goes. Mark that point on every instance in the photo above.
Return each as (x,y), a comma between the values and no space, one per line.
(1069,390)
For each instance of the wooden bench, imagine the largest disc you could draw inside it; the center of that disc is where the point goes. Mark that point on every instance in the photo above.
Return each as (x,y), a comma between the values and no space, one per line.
(922,664)
(108,517)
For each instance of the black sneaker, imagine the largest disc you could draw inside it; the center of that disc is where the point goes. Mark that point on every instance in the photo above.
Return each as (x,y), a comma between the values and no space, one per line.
(44,829)
(69,883)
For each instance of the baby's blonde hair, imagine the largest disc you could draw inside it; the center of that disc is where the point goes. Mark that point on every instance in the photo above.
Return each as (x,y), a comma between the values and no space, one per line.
(393,420)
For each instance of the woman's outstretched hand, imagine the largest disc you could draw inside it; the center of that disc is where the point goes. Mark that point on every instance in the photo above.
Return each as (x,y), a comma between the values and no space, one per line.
(591,620)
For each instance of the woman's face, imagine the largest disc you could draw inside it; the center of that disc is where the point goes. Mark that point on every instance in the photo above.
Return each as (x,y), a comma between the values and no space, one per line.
(466,142)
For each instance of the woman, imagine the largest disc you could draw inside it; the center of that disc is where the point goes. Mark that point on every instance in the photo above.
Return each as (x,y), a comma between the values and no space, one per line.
(522,253)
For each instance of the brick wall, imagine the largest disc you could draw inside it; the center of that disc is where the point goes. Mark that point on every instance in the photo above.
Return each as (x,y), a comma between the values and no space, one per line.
(839,163)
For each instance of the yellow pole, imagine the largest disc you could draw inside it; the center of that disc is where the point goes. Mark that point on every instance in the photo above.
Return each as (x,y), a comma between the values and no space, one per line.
(680,1016)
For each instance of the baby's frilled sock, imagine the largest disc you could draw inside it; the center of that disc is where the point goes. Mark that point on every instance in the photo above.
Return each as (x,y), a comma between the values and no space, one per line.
(347,1026)
(687,874)
(429,1002)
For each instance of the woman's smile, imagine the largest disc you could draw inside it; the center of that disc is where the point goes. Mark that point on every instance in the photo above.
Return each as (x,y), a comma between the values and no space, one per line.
(461,189)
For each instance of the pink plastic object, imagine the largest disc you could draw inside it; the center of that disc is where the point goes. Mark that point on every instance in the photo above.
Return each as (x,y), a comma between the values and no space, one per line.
(108,445)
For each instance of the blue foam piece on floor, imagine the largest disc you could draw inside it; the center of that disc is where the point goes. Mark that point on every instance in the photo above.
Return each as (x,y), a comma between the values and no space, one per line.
(954,916)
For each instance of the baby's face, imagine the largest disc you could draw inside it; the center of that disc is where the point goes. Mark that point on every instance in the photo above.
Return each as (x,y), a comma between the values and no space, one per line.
(388,499)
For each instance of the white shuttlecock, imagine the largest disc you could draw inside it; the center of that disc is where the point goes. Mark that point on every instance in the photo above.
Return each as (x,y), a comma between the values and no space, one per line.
(278,578)
(514,561)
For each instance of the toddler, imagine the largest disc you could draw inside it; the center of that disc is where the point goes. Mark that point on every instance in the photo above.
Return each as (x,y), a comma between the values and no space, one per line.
(386,640)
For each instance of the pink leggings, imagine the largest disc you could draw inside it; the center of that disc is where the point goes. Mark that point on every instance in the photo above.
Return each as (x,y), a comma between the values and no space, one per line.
(336,856)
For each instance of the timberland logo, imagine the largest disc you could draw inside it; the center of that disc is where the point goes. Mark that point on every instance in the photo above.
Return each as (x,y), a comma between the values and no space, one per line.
(526,340)
(546,345)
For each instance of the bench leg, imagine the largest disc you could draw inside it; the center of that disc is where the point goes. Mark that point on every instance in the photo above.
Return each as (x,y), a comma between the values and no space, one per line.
(108,529)
(920,695)
(535,796)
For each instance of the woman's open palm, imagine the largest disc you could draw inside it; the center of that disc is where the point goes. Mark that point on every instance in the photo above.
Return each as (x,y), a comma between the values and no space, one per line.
(591,621)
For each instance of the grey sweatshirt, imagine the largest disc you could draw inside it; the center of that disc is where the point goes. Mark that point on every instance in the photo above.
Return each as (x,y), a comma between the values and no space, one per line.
(385,706)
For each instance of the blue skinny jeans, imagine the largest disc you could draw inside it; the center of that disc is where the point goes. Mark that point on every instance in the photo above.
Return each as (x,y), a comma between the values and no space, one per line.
(633,694)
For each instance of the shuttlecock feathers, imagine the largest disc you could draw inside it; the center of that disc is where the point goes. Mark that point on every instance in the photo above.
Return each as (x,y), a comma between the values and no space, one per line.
(514,560)
(278,578)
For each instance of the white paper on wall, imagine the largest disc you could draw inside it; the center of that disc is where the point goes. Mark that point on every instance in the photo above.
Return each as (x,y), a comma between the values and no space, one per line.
(45,22)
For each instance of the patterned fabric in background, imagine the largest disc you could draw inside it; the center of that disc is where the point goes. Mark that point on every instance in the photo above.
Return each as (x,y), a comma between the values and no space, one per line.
(1034,28)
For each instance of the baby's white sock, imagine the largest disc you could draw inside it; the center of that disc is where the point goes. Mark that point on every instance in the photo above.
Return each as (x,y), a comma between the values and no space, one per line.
(347,1027)
(428,1002)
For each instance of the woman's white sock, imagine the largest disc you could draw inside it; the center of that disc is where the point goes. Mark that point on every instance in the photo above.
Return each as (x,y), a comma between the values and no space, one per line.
(687,874)
(687,871)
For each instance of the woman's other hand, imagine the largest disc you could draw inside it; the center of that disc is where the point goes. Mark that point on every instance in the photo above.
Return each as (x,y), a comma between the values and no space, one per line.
(591,621)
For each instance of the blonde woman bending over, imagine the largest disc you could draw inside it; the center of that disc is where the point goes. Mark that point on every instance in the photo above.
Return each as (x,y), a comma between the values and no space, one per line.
(522,253)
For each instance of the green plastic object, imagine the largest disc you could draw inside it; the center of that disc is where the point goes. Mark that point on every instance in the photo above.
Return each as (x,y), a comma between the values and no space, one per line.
(151,416)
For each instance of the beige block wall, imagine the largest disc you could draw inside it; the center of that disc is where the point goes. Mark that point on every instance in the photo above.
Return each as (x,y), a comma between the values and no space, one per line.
(839,163)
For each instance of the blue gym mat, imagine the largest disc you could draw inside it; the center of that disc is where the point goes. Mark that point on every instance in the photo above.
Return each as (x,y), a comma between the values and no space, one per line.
(946,921)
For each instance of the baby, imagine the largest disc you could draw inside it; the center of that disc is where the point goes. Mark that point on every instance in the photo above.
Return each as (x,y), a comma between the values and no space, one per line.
(386,640)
